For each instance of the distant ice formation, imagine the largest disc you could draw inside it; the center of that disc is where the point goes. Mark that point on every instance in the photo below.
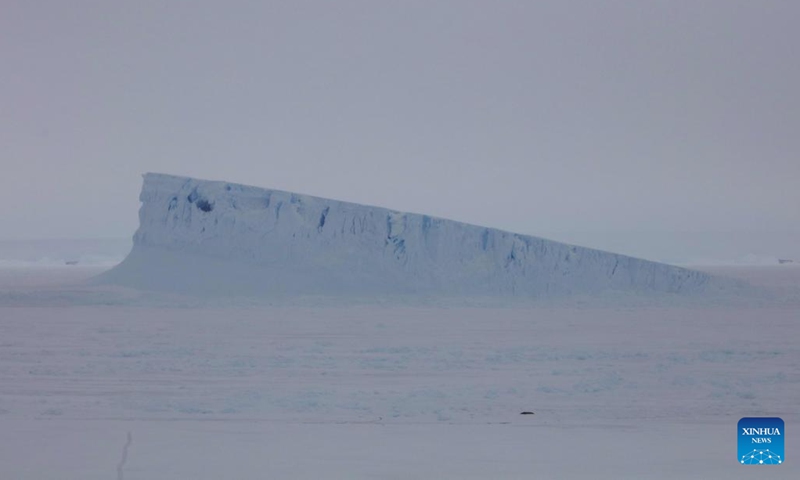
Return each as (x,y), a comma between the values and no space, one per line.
(212,237)
(54,253)
(749,260)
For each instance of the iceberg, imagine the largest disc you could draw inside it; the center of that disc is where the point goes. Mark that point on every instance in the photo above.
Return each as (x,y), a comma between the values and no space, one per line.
(215,237)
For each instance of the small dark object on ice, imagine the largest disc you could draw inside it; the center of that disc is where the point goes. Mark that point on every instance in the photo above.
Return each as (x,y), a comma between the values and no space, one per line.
(526,413)
(71,262)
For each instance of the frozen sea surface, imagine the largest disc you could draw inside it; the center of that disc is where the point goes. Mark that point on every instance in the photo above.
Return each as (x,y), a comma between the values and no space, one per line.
(385,391)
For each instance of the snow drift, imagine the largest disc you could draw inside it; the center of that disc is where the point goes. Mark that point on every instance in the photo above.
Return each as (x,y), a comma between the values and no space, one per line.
(212,237)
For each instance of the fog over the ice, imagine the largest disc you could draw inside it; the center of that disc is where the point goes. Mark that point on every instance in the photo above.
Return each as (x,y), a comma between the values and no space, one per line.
(661,129)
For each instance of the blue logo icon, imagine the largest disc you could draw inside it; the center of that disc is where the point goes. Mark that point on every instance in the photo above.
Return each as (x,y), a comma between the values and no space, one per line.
(761,441)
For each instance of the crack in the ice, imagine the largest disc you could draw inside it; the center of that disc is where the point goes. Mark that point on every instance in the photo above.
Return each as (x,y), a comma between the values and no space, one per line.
(124,456)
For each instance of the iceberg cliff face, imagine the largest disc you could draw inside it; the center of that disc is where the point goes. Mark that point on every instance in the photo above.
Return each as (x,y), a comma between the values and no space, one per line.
(208,236)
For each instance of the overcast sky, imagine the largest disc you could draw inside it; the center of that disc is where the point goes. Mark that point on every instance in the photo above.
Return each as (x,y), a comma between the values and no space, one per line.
(640,127)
